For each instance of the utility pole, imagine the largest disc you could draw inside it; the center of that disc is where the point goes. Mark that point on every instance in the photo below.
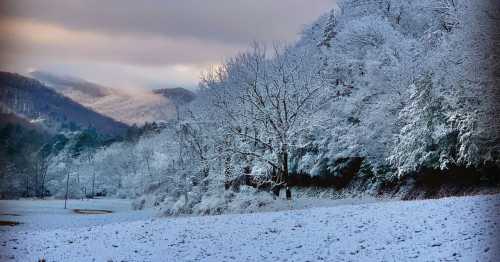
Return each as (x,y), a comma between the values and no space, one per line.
(68,170)
(67,186)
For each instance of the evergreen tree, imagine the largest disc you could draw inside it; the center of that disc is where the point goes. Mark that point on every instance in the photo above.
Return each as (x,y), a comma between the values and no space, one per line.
(419,143)
(329,31)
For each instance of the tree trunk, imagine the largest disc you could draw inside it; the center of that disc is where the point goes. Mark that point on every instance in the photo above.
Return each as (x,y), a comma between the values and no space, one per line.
(36,186)
(285,167)
(149,167)
(42,195)
(67,187)
(283,176)
(27,185)
(186,199)
(93,184)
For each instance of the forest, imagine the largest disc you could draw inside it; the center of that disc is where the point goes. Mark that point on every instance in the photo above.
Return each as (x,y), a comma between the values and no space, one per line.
(386,97)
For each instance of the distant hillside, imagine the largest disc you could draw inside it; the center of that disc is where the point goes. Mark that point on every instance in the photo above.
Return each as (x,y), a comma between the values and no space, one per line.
(13,119)
(71,85)
(127,106)
(178,95)
(33,100)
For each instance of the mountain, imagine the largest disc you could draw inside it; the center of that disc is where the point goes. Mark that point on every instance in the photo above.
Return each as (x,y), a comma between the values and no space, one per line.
(30,99)
(127,106)
(72,87)
(178,95)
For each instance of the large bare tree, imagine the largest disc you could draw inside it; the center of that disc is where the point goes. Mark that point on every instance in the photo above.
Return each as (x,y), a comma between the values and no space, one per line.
(266,101)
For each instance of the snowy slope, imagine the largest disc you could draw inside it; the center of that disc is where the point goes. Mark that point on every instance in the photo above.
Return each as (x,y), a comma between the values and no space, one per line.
(36,101)
(135,107)
(126,105)
(450,229)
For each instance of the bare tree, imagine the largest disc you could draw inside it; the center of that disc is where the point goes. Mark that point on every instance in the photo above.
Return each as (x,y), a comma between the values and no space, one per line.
(267,101)
(67,164)
(89,157)
(40,168)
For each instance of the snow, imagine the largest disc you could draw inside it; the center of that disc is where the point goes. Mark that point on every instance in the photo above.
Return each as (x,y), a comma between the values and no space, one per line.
(456,229)
(44,215)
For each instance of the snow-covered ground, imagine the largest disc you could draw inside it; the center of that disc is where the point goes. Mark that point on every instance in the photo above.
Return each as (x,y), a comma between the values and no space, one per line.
(50,214)
(449,229)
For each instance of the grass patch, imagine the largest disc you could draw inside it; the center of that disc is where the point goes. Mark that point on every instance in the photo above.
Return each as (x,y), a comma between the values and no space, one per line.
(8,223)
(92,211)
(9,214)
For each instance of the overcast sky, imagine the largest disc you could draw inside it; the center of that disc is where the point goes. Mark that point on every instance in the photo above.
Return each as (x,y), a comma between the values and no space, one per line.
(144,43)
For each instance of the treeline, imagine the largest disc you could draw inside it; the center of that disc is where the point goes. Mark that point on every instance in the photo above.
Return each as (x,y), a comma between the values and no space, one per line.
(27,150)
(377,95)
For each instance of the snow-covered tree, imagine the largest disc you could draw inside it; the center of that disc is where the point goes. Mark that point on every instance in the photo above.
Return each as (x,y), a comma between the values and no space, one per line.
(418,144)
(267,102)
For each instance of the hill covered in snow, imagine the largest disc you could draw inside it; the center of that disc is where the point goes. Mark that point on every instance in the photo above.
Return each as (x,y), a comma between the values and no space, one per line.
(36,102)
(125,105)
(421,87)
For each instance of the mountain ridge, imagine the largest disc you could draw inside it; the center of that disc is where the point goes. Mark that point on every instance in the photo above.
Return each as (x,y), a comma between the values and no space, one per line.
(178,95)
(127,106)
(31,99)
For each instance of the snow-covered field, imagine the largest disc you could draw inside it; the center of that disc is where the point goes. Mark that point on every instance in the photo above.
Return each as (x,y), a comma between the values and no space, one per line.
(47,215)
(449,229)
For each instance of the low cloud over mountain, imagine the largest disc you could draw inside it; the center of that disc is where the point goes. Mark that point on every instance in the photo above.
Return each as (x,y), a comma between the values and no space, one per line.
(135,106)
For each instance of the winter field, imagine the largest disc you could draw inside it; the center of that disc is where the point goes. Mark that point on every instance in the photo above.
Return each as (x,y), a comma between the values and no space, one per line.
(449,229)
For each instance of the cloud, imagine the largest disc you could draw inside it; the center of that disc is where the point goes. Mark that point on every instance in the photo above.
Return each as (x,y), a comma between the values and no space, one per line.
(143,38)
(52,41)
(227,21)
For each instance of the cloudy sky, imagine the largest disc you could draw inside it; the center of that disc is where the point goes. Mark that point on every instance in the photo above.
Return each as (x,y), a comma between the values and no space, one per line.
(144,44)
